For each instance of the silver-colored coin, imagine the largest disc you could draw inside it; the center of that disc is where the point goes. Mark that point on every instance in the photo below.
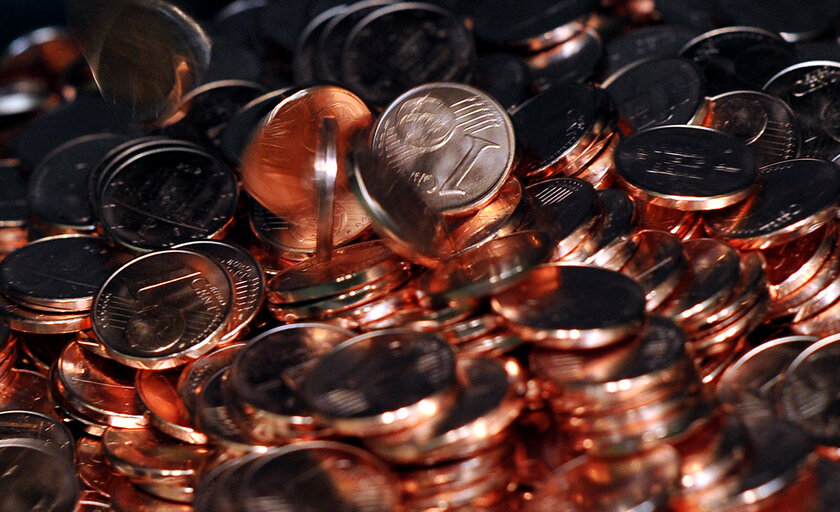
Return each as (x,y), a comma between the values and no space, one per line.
(35,477)
(303,62)
(460,138)
(60,274)
(812,89)
(196,373)
(752,383)
(40,428)
(163,309)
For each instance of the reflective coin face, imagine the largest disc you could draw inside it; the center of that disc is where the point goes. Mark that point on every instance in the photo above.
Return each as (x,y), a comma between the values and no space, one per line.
(808,394)
(460,138)
(36,478)
(163,309)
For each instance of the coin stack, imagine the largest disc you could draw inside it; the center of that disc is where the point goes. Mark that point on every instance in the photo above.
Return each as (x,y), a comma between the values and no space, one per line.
(444,269)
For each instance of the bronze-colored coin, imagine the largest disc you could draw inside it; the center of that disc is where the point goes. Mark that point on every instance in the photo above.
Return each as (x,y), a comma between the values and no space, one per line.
(500,217)
(489,399)
(194,375)
(98,389)
(128,498)
(448,475)
(382,382)
(471,328)
(419,318)
(715,450)
(348,267)
(658,265)
(95,470)
(791,265)
(600,171)
(482,494)
(25,390)
(267,378)
(33,321)
(825,274)
(278,167)
(163,309)
(92,501)
(484,270)
(563,306)
(146,453)
(361,317)
(672,220)
(41,350)
(219,419)
(157,390)
(794,197)
(493,345)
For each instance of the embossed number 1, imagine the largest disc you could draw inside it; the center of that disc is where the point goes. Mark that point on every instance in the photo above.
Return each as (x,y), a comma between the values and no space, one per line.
(452,184)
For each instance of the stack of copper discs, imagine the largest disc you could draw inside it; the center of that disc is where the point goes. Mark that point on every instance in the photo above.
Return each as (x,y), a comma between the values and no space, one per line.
(444,270)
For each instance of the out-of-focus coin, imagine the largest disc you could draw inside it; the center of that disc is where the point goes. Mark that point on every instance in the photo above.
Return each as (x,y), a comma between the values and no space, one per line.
(126,497)
(463,138)
(503,76)
(794,25)
(333,38)
(485,270)
(39,322)
(59,274)
(536,26)
(558,129)
(738,58)
(37,428)
(96,389)
(563,306)
(36,478)
(659,91)
(216,417)
(807,392)
(146,453)
(166,411)
(713,451)
(324,475)
(794,197)
(166,196)
(489,399)
(267,378)
(661,40)
(382,382)
(170,51)
(792,264)
(566,209)
(765,123)
(303,63)
(572,61)
(57,189)
(247,276)
(502,216)
(376,60)
(162,309)
(14,207)
(194,375)
(811,90)
(686,167)
(753,382)
(278,167)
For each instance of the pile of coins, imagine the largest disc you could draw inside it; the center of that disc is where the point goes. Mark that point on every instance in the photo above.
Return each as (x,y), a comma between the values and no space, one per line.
(454,256)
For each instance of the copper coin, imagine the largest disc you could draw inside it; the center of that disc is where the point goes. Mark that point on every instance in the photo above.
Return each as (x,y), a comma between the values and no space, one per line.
(672,220)
(498,218)
(162,309)
(824,275)
(194,375)
(146,453)
(794,197)
(714,451)
(99,389)
(128,498)
(563,306)
(33,321)
(95,469)
(167,413)
(792,264)
(279,165)
(28,391)
(382,382)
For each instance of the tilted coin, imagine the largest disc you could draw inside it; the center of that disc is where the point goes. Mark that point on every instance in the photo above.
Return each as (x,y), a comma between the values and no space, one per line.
(382,382)
(327,57)
(640,43)
(166,411)
(267,378)
(753,382)
(95,470)
(765,123)
(659,91)
(798,24)
(162,309)
(792,264)
(811,90)
(686,167)
(36,477)
(33,321)
(574,60)
(147,453)
(566,306)
(219,421)
(60,274)
(39,428)
(502,216)
(28,391)
(738,58)
(376,60)
(194,375)
(126,497)
(533,27)
(793,198)
(303,61)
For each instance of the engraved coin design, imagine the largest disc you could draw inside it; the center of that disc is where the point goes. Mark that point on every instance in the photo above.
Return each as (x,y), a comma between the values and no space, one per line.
(762,121)
(399,47)
(793,198)
(686,167)
(658,91)
(812,89)
(738,58)
(452,142)
(167,196)
(163,309)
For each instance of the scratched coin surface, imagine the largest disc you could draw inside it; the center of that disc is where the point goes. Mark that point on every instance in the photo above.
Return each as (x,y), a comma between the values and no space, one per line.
(60,273)
(166,196)
(765,123)
(794,197)
(398,47)
(686,167)
(278,167)
(738,58)
(36,478)
(247,276)
(658,91)
(162,309)
(451,142)
(812,89)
